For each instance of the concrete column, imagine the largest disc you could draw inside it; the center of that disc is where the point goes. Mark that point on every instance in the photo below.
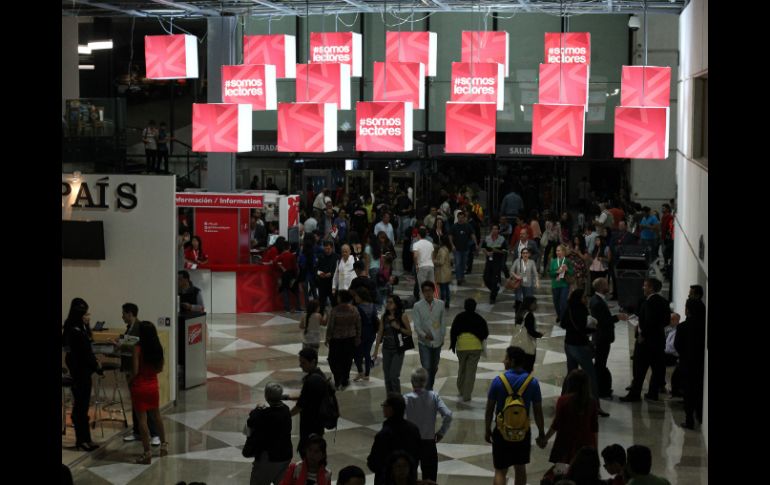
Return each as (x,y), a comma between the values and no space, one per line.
(221,50)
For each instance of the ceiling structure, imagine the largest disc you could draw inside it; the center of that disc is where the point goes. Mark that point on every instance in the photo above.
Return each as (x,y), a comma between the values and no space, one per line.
(273,8)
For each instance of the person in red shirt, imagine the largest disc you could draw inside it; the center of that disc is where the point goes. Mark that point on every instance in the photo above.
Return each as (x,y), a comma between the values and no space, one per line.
(617,216)
(193,253)
(286,262)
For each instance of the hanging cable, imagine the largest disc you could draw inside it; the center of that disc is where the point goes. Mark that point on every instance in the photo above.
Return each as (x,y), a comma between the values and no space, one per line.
(644,66)
(131,54)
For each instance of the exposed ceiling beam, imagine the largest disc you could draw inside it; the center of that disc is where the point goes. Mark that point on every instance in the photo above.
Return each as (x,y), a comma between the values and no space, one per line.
(441,4)
(189,8)
(363,7)
(525,5)
(278,8)
(107,6)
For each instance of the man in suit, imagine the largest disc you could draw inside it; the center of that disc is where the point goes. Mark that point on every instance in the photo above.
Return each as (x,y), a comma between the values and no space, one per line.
(604,335)
(649,350)
(524,242)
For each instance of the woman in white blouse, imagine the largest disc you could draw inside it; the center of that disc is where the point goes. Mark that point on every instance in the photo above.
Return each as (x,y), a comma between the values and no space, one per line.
(344,273)
(525,270)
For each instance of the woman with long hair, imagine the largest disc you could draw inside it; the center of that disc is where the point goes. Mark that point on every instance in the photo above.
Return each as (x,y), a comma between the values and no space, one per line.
(311,324)
(394,322)
(193,254)
(145,396)
(525,269)
(576,344)
(576,422)
(578,254)
(306,262)
(442,262)
(81,363)
(495,247)
(439,230)
(525,315)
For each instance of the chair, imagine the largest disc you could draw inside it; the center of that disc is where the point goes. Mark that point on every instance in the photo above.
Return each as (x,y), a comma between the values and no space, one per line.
(101,403)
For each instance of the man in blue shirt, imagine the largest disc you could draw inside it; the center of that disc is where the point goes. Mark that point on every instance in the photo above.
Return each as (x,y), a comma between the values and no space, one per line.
(509,453)
(650,226)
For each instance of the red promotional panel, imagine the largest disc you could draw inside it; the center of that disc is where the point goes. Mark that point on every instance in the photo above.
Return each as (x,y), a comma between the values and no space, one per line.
(245,232)
(277,50)
(477,82)
(218,230)
(558,129)
(250,84)
(307,127)
(400,81)
(336,48)
(412,47)
(293,219)
(470,127)
(486,46)
(195,334)
(645,86)
(641,132)
(323,83)
(208,199)
(383,126)
(563,84)
(171,56)
(257,291)
(221,127)
(568,48)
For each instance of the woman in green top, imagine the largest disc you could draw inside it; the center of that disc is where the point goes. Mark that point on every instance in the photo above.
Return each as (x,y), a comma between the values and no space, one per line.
(560,268)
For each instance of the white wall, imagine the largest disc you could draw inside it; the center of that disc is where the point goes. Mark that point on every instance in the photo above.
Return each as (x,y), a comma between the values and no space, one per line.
(692,177)
(140,252)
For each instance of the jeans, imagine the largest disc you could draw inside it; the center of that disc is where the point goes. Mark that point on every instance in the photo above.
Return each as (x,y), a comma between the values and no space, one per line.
(444,292)
(392,361)
(403,223)
(363,355)
(523,292)
(559,296)
(581,355)
(429,357)
(425,273)
(461,260)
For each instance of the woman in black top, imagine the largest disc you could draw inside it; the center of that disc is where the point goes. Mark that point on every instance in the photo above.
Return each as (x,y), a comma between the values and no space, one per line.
(576,344)
(81,363)
(269,438)
(394,323)
(526,315)
(466,339)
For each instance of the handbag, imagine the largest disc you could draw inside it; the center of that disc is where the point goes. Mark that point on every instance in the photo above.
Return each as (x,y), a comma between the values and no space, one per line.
(523,340)
(404,342)
(513,283)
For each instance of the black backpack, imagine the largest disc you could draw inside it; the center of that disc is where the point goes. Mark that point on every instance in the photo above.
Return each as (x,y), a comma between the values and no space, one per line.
(329,410)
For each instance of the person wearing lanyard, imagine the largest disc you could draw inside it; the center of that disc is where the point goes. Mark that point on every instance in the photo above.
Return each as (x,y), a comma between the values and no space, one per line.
(428,315)
(560,268)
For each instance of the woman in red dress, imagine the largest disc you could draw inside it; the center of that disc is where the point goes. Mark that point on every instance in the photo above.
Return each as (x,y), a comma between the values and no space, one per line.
(576,423)
(145,397)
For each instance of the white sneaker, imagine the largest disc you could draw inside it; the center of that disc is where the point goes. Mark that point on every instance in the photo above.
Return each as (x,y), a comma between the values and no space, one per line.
(131,437)
(155,441)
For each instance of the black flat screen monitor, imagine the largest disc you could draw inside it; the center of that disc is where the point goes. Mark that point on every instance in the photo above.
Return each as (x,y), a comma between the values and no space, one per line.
(82,240)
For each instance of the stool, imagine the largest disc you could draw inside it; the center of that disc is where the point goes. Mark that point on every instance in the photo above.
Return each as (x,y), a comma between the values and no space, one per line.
(102,404)
(66,382)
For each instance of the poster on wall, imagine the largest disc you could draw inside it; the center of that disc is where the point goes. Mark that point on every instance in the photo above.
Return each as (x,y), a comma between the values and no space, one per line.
(171,56)
(412,47)
(278,50)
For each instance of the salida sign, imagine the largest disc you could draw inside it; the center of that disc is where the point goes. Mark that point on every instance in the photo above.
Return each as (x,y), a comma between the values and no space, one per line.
(96,197)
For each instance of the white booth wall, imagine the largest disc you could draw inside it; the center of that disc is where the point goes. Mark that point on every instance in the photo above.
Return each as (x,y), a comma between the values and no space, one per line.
(140,252)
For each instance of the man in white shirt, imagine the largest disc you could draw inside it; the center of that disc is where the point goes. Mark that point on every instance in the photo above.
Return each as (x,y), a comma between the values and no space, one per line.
(428,316)
(385,226)
(319,204)
(423,257)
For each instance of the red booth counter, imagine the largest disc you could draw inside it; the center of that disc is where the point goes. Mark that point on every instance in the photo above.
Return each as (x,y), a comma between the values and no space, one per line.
(256,286)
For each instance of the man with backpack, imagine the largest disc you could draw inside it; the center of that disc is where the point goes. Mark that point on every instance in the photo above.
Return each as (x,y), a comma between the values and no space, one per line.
(510,401)
(315,390)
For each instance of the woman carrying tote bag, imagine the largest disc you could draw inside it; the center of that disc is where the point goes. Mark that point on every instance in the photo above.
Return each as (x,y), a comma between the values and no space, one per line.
(524,332)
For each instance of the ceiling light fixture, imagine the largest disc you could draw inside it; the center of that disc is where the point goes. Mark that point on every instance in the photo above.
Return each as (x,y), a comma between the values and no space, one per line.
(86,67)
(101,44)
(84,49)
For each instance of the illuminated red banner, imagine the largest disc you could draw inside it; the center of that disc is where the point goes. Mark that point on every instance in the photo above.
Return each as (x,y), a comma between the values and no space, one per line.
(486,46)
(558,129)
(400,81)
(250,84)
(171,56)
(337,48)
(307,127)
(645,86)
(208,199)
(383,126)
(641,132)
(221,127)
(477,82)
(323,83)
(563,84)
(470,127)
(568,48)
(218,230)
(278,50)
(412,47)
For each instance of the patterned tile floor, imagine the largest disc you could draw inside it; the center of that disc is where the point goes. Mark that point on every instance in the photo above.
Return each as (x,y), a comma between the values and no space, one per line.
(247,351)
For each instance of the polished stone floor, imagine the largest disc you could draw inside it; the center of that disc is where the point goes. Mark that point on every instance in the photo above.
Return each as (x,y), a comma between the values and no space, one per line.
(247,351)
